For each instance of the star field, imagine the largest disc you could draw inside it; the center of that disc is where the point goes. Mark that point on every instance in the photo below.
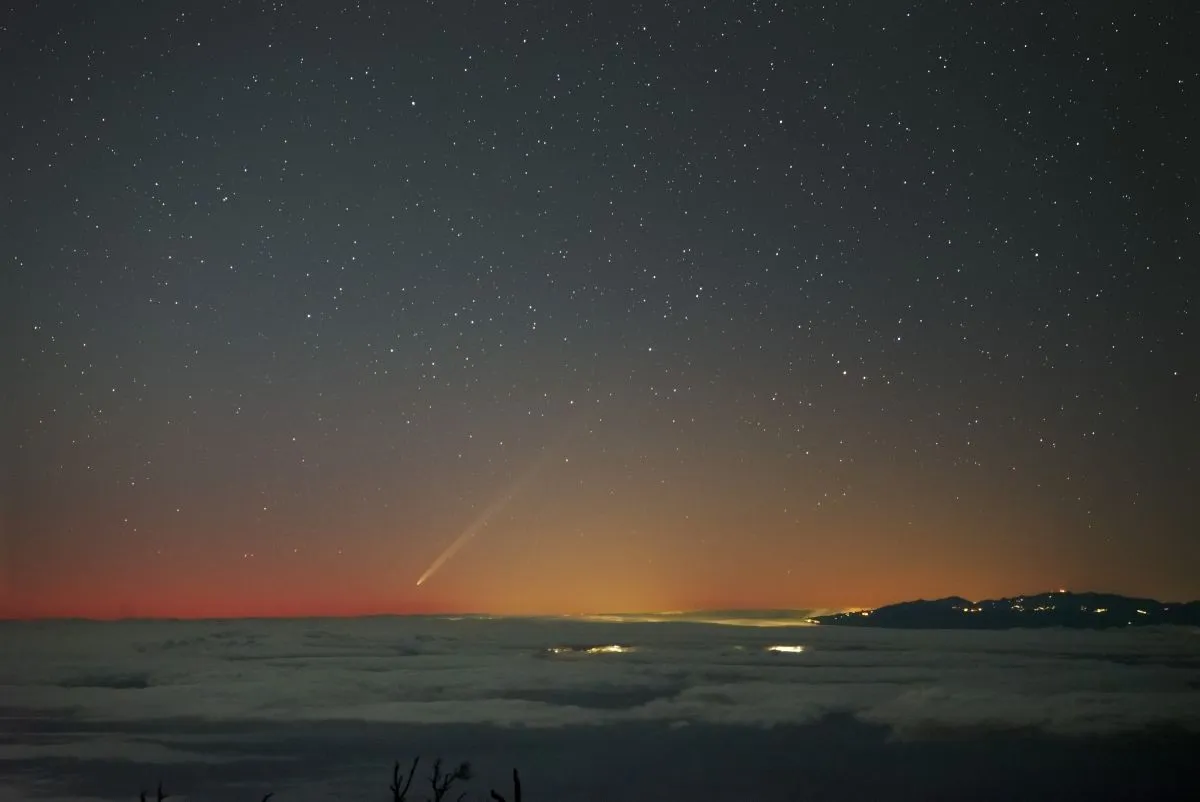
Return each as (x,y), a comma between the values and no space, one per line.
(697,305)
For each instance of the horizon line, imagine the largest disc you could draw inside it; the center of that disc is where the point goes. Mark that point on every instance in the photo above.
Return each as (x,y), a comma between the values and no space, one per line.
(727,612)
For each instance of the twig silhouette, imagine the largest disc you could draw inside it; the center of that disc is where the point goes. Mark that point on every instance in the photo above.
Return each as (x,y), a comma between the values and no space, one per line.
(400,790)
(160,795)
(516,789)
(441,781)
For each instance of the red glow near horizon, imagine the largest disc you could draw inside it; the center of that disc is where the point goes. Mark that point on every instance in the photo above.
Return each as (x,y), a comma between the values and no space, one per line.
(597,576)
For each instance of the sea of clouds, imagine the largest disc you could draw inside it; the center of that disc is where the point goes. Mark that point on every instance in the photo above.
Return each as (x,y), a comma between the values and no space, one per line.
(318,709)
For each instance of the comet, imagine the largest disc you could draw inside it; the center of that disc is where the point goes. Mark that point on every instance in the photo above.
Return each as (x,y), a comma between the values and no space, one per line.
(468,533)
(485,517)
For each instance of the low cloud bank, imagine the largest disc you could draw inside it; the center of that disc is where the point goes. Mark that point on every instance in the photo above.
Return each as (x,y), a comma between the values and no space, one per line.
(635,710)
(560,673)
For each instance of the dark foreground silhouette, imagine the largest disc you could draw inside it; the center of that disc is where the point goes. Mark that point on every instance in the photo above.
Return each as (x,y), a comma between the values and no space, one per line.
(440,783)
(1059,609)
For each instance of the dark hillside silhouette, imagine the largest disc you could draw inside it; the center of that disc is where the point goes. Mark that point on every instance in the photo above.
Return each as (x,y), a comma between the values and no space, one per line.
(1055,609)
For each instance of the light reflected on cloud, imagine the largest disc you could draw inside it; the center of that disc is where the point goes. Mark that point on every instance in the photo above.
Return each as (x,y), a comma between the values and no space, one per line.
(604,648)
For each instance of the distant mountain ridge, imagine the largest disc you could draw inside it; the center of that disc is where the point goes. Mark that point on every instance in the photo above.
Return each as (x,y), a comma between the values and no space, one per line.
(1052,609)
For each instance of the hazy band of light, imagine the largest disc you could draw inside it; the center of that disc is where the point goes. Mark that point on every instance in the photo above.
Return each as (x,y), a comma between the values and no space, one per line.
(484,517)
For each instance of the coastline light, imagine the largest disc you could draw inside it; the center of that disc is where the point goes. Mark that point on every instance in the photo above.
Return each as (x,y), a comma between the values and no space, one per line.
(611,648)
(606,648)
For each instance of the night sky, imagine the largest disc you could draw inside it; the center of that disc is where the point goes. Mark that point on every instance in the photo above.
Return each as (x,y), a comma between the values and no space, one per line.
(650,306)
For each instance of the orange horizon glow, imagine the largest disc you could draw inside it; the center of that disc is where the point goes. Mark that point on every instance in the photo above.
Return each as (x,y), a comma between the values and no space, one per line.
(233,608)
(717,542)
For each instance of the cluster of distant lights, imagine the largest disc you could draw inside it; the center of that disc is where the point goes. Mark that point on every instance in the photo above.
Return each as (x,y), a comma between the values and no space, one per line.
(618,648)
(608,648)
(1017,606)
(1047,607)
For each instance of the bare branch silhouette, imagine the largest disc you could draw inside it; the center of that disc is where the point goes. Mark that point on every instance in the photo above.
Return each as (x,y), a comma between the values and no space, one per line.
(400,791)
(516,789)
(441,781)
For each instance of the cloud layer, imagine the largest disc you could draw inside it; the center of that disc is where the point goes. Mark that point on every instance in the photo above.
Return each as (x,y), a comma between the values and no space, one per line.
(548,673)
(179,694)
